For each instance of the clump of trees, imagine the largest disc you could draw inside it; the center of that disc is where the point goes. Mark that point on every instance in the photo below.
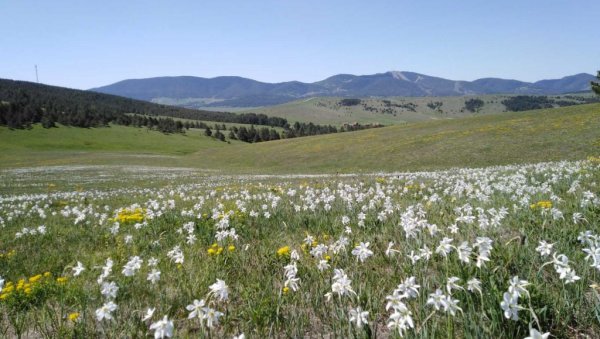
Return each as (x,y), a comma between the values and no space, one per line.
(474,105)
(296,130)
(253,134)
(527,102)
(436,106)
(165,125)
(350,102)
(412,107)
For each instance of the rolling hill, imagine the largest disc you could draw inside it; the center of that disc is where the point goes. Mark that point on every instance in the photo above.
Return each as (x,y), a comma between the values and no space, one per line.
(399,110)
(99,146)
(567,133)
(231,91)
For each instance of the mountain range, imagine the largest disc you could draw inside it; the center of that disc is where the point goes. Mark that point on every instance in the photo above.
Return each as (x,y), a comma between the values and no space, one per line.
(233,91)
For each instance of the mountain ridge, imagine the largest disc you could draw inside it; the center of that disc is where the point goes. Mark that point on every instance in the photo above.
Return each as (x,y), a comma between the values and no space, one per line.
(235,91)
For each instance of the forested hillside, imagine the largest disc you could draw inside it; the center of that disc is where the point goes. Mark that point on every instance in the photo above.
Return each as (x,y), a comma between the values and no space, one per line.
(24,103)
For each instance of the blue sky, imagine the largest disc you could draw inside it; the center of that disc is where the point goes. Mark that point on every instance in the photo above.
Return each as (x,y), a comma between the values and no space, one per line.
(83,44)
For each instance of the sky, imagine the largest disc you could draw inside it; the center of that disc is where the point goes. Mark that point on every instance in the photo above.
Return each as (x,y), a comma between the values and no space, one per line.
(85,44)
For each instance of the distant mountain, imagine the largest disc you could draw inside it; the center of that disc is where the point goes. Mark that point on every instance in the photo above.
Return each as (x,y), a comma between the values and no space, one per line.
(232,91)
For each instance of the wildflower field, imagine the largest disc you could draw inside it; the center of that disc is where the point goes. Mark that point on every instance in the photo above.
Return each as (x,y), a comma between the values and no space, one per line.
(496,252)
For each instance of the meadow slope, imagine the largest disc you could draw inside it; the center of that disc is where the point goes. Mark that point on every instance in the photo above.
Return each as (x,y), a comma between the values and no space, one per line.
(101,146)
(542,135)
(392,110)
(327,110)
(569,133)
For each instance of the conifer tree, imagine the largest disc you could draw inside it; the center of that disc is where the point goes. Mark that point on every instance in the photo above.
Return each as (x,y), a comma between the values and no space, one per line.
(596,85)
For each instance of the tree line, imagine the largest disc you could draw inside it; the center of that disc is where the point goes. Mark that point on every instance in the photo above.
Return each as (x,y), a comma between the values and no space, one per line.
(296,130)
(254,134)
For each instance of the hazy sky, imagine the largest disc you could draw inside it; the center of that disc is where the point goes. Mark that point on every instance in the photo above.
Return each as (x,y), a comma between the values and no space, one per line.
(83,44)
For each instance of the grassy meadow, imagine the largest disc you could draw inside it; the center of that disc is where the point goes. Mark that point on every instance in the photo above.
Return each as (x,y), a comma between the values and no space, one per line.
(569,133)
(491,252)
(327,110)
(479,227)
(115,144)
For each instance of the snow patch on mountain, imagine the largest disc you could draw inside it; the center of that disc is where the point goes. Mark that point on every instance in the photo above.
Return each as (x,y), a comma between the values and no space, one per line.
(399,75)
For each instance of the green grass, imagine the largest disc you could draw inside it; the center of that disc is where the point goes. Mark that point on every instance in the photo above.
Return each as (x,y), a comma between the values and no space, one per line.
(493,139)
(39,146)
(541,135)
(75,204)
(326,110)
(257,304)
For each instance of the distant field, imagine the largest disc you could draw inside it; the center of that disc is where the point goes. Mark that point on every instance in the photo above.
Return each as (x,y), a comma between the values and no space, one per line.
(327,110)
(41,146)
(568,133)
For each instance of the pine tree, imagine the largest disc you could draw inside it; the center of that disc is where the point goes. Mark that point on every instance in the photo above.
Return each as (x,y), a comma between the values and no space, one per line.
(242,134)
(220,135)
(596,85)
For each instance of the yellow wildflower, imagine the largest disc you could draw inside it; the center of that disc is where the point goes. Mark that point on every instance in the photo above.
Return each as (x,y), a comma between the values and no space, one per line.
(541,204)
(283,251)
(128,215)
(73,316)
(35,278)
(594,159)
